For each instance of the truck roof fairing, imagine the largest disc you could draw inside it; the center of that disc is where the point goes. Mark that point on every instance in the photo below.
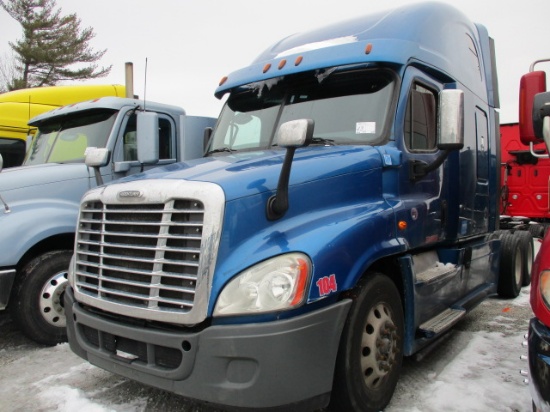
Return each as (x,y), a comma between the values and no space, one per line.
(114,103)
(427,34)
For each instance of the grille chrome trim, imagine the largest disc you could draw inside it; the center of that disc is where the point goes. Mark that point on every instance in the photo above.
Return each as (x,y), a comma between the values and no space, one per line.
(150,257)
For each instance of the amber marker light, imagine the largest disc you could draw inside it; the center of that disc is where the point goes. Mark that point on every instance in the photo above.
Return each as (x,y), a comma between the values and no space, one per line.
(368,49)
(267,67)
(282,64)
(402,225)
(298,60)
(301,283)
(223,80)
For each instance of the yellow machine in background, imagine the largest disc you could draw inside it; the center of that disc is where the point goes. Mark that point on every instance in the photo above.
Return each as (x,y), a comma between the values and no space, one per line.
(19,106)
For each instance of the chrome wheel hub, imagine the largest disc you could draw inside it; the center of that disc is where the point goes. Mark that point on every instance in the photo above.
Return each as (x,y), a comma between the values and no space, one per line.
(51,300)
(379,345)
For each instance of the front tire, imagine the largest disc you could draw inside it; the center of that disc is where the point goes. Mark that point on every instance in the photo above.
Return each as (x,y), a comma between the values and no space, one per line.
(37,305)
(371,348)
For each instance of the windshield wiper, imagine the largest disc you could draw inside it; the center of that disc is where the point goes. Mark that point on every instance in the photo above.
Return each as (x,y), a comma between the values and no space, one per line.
(317,140)
(221,150)
(325,142)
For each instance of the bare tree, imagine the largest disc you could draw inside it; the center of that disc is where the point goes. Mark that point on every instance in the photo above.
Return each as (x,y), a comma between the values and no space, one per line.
(54,48)
(8,71)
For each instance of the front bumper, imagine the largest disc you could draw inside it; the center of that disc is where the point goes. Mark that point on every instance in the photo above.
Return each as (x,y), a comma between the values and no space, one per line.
(286,364)
(539,364)
(6,283)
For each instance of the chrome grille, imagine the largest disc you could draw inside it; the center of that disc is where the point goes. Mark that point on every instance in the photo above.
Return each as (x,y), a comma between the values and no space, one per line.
(142,255)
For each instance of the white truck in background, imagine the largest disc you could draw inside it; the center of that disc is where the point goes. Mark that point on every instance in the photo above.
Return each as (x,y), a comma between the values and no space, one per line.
(76,148)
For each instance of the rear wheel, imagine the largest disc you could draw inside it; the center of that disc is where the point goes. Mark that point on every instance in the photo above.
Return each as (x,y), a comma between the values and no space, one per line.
(536,230)
(511,266)
(37,305)
(371,349)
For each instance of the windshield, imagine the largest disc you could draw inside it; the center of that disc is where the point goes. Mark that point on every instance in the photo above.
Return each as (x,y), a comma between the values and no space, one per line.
(348,107)
(66,140)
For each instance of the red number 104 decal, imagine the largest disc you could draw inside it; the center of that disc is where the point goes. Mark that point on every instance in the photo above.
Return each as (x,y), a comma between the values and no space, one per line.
(327,284)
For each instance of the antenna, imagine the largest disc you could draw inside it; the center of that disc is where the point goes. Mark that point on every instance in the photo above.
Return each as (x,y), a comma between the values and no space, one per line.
(145,86)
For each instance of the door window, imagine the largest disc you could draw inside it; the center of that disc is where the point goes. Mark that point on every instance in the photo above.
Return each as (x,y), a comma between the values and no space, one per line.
(420,120)
(166,139)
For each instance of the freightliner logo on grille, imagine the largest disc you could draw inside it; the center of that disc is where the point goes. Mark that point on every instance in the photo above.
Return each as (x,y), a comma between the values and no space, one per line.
(129,193)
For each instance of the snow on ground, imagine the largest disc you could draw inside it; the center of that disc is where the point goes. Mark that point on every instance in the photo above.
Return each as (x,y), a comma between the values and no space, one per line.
(473,370)
(476,368)
(483,377)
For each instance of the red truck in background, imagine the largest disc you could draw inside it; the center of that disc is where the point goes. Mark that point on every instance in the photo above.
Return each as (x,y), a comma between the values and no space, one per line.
(525,184)
(524,180)
(534,130)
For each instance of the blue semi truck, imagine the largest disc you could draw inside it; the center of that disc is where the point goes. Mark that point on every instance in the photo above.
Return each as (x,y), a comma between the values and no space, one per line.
(345,215)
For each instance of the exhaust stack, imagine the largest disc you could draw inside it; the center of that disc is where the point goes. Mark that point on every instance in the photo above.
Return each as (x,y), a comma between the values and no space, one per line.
(129,78)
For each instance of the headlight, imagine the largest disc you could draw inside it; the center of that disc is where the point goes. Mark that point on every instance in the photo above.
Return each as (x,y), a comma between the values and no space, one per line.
(276,284)
(544,285)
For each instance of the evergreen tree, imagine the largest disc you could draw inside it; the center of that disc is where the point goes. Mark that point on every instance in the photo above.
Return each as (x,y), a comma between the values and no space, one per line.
(53,48)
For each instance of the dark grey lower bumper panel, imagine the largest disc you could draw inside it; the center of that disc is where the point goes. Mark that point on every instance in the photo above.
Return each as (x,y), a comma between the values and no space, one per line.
(282,364)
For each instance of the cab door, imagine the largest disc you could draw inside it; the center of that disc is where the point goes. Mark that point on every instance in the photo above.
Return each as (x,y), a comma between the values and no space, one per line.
(424,206)
(125,154)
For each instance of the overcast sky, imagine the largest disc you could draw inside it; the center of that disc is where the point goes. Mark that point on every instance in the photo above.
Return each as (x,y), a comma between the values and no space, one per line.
(191,44)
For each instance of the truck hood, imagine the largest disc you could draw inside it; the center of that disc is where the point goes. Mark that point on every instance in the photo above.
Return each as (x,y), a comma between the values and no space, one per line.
(28,176)
(247,174)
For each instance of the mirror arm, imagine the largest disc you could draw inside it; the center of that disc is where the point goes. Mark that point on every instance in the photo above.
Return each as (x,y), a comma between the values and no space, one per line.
(419,169)
(98,178)
(291,135)
(206,138)
(535,154)
(277,205)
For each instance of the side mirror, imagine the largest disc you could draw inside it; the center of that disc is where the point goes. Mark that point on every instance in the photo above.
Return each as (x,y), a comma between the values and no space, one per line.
(95,158)
(530,84)
(451,120)
(1,162)
(147,136)
(450,136)
(541,117)
(291,135)
(295,133)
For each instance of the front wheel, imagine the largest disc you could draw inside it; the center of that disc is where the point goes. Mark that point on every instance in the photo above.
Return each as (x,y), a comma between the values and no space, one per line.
(37,305)
(371,348)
